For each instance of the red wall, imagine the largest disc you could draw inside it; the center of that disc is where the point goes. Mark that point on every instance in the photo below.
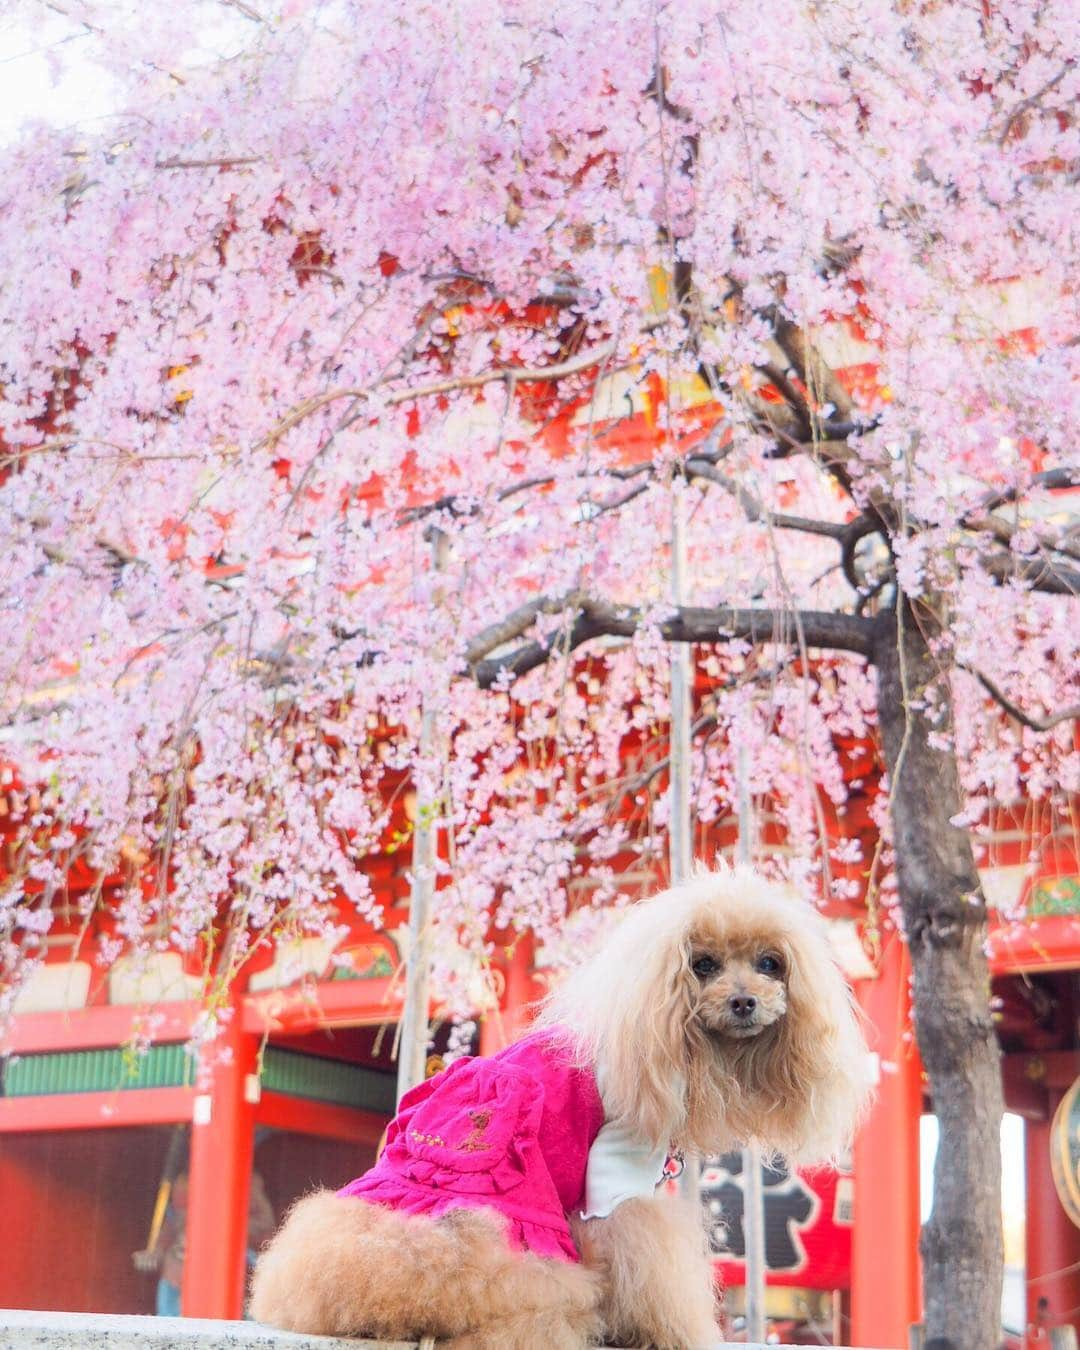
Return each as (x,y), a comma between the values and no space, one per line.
(76,1204)
(292,1164)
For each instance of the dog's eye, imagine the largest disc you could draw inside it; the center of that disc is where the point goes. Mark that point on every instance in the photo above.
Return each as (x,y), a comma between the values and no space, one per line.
(704,966)
(769,965)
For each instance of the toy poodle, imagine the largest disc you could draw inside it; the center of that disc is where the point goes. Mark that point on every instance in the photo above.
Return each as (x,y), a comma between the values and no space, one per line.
(516,1204)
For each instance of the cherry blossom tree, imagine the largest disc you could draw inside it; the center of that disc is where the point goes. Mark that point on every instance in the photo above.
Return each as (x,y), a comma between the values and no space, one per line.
(337,282)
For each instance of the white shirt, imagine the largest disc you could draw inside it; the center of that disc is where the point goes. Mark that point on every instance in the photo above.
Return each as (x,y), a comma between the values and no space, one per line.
(620,1167)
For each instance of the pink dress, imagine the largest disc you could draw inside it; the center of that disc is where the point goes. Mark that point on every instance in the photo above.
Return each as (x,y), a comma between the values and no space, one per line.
(510,1133)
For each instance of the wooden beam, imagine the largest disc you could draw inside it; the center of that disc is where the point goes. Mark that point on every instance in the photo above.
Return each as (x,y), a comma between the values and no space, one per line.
(96,1028)
(96,1110)
(332,1003)
(324,1119)
(1050,942)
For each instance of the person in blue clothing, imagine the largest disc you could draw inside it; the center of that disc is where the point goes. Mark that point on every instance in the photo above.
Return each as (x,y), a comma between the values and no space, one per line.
(166,1253)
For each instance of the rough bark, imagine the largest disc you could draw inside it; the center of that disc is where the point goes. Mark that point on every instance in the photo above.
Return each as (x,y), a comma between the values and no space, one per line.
(945,918)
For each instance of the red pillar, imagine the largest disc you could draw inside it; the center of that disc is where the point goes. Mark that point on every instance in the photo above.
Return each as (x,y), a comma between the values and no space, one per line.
(885,1295)
(1052,1239)
(219,1179)
(520,988)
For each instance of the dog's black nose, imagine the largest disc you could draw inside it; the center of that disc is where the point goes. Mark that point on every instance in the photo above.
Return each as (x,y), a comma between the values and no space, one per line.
(742,1005)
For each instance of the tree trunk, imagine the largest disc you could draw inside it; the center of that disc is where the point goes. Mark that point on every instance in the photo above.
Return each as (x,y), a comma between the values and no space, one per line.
(944,916)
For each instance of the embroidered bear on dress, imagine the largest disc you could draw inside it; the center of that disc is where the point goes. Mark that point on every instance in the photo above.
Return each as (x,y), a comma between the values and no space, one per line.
(511,1133)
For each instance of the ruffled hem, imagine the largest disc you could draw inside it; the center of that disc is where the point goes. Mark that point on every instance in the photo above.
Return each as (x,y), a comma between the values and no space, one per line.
(504,1176)
(547,1240)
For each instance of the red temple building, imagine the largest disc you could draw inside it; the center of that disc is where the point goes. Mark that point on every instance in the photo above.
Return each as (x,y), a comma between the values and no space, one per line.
(308,1084)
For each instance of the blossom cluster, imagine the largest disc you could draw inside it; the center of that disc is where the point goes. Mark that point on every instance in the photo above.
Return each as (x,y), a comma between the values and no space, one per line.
(493,277)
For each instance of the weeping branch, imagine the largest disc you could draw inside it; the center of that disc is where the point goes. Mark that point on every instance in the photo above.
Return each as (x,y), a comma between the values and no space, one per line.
(508,375)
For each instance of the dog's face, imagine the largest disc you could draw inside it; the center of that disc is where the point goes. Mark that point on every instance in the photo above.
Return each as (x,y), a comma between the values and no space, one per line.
(728,985)
(740,989)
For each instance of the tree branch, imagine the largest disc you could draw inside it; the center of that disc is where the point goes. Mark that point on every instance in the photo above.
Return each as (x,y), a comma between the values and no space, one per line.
(232,162)
(1032,101)
(700,463)
(813,370)
(1004,530)
(1026,719)
(245,9)
(1038,573)
(756,511)
(1063,476)
(791,394)
(574,365)
(596,618)
(518,622)
(855,532)
(525,658)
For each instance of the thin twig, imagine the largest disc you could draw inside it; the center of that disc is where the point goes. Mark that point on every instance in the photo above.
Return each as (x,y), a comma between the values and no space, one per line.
(1032,100)
(173,162)
(244,9)
(517,374)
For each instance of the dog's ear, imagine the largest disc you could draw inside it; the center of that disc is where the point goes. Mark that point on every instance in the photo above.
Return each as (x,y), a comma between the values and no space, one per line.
(629,1013)
(647,1060)
(818,1068)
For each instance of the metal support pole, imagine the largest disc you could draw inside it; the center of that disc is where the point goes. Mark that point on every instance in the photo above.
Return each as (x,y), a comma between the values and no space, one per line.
(744,848)
(754,1238)
(680,824)
(753,1194)
(413,1041)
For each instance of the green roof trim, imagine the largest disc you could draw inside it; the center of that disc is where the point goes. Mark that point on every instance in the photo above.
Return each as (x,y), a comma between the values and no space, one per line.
(327,1080)
(96,1071)
(117,1069)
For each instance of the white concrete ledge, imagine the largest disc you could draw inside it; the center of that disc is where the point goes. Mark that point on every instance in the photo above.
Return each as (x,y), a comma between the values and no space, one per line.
(21,1330)
(100,1331)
